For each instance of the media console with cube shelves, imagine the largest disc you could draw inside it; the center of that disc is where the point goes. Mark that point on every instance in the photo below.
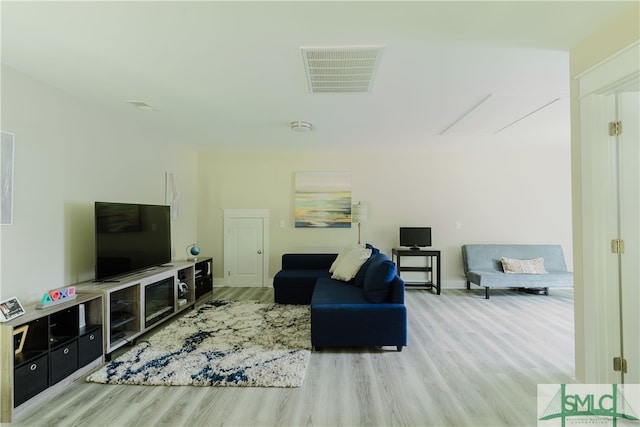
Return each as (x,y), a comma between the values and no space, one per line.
(44,349)
(136,303)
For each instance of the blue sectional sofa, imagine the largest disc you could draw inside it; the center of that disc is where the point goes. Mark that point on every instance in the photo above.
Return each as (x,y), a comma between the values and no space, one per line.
(368,311)
(294,284)
(483,265)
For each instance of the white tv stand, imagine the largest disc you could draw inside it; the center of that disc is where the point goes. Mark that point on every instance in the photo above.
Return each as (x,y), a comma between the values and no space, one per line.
(125,301)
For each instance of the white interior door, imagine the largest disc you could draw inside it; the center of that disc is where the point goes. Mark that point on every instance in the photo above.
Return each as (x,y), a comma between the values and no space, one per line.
(599,227)
(245,240)
(611,212)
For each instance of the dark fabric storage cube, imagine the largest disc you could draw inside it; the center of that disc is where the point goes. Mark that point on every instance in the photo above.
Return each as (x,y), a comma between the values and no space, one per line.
(203,285)
(89,347)
(30,379)
(63,361)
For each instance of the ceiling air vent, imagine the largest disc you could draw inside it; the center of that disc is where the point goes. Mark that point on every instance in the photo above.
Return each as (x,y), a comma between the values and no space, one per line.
(340,69)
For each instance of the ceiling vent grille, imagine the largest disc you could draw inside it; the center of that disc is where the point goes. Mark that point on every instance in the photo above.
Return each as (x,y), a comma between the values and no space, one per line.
(340,69)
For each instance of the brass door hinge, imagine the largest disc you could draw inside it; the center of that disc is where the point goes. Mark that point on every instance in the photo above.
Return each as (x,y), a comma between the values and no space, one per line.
(617,246)
(620,364)
(615,128)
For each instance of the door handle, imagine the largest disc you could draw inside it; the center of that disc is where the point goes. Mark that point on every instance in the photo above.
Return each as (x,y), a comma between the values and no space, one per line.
(259,251)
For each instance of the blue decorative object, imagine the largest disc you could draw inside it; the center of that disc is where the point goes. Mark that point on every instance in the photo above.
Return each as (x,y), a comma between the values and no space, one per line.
(193,250)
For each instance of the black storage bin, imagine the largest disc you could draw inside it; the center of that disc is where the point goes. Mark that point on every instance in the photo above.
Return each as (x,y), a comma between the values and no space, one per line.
(89,347)
(30,379)
(63,361)
(203,285)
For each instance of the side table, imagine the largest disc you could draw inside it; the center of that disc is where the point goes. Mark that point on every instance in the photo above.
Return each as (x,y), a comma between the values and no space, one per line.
(431,267)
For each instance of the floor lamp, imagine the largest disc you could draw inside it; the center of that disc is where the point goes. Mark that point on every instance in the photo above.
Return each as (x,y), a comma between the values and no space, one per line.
(359,214)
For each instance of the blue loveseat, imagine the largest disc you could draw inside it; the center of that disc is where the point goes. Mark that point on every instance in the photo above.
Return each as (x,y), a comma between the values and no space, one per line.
(368,311)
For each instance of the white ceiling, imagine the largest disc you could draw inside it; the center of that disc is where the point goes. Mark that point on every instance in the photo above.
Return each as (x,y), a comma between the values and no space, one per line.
(230,75)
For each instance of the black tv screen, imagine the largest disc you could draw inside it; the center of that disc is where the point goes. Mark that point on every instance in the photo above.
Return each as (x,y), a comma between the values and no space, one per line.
(130,237)
(415,237)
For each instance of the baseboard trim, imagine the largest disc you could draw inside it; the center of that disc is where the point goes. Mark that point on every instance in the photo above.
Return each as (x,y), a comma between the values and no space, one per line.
(221,283)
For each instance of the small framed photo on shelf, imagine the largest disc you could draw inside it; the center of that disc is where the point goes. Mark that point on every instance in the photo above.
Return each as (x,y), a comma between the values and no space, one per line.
(19,337)
(10,309)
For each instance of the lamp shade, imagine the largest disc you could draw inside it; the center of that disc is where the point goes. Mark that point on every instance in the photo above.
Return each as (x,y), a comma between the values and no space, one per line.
(359,213)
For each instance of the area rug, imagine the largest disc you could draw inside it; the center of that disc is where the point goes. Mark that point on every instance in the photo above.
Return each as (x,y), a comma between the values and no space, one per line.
(221,343)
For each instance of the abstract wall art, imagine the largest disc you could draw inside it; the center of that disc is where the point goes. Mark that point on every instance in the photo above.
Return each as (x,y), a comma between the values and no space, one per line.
(322,200)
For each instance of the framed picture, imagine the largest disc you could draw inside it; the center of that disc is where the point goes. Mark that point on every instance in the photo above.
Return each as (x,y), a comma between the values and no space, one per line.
(172,194)
(19,337)
(10,309)
(322,200)
(6,178)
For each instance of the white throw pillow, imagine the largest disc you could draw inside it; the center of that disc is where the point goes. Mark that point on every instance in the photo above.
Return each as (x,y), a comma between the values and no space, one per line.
(523,266)
(349,266)
(342,254)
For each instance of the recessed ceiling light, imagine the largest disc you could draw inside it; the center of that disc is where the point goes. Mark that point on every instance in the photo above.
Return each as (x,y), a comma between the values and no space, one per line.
(141,105)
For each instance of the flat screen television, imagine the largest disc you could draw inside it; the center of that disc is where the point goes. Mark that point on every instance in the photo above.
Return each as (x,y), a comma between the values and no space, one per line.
(415,237)
(130,237)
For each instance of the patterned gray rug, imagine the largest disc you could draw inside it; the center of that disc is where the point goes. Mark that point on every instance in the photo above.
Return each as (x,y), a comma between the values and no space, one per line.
(221,343)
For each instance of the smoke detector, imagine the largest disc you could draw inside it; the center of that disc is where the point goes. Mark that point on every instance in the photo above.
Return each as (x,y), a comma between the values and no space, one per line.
(340,69)
(301,126)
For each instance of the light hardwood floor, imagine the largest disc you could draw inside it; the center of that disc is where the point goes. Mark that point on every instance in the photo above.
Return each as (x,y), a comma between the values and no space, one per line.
(469,362)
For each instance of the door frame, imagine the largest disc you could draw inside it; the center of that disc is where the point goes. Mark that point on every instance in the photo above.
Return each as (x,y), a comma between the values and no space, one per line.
(596,306)
(230,214)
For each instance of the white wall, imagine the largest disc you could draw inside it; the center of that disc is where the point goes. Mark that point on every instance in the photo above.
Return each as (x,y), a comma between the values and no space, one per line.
(499,195)
(68,155)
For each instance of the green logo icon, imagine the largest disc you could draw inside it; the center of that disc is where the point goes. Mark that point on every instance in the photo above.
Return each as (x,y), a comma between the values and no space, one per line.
(588,404)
